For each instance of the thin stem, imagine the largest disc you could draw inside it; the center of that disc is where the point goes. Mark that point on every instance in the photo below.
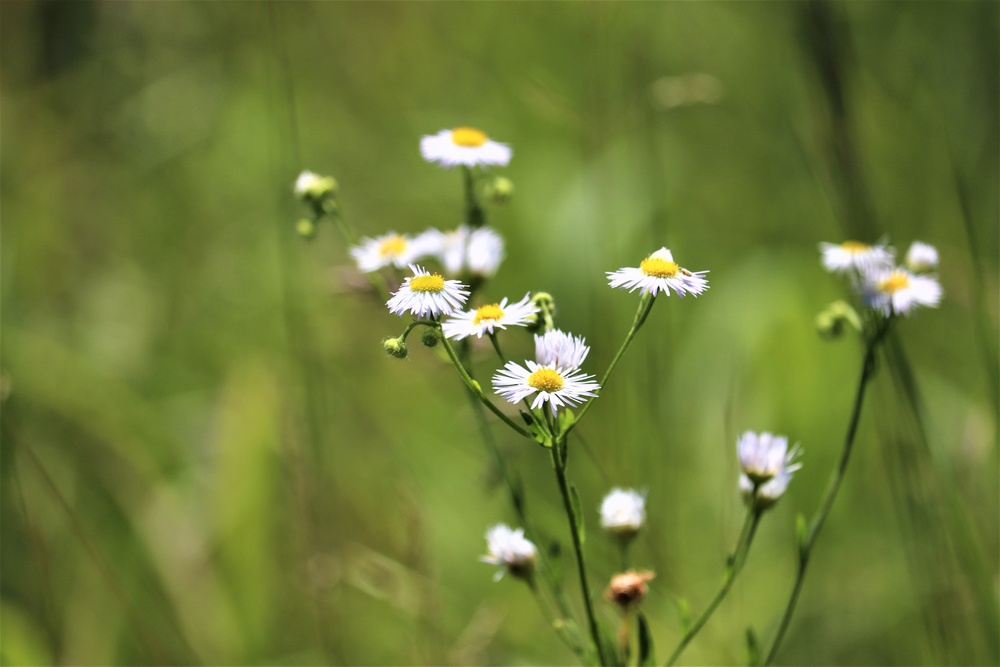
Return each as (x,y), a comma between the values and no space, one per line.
(558,452)
(735,564)
(496,346)
(645,305)
(474,215)
(554,619)
(837,477)
(477,390)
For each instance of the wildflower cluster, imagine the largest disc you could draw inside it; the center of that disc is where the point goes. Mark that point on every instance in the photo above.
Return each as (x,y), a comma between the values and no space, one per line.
(438,279)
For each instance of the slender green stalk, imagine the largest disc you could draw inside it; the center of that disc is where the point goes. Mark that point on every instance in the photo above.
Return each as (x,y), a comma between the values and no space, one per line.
(735,564)
(478,391)
(474,214)
(555,619)
(645,305)
(837,477)
(558,453)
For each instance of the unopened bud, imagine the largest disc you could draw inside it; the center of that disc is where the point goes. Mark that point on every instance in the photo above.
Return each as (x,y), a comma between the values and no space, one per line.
(544,319)
(306,228)
(429,337)
(395,347)
(835,318)
(499,190)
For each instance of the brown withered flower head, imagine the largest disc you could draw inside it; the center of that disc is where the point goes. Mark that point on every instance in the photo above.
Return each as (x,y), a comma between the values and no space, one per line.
(628,588)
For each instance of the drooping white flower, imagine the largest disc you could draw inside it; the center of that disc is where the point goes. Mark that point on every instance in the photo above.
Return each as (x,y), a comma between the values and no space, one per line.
(557,386)
(427,294)
(767,468)
(623,512)
(463,145)
(390,249)
(659,272)
(921,257)
(511,551)
(560,350)
(764,456)
(856,256)
(485,319)
(897,291)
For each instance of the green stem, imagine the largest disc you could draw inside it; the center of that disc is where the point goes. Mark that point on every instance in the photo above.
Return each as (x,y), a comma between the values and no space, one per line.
(735,564)
(837,477)
(558,453)
(496,346)
(645,305)
(478,391)
(475,217)
(554,619)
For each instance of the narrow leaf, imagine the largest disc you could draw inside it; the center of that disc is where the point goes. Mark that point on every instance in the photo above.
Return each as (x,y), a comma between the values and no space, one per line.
(577,514)
(684,614)
(753,647)
(646,654)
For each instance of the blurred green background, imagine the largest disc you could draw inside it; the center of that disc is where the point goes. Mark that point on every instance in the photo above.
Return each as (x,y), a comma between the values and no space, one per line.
(207,457)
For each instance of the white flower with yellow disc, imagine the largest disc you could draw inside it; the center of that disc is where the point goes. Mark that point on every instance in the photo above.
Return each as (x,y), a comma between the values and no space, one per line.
(486,319)
(463,145)
(659,272)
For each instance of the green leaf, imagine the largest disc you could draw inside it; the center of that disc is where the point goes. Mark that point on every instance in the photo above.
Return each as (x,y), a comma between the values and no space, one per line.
(801,534)
(753,647)
(570,633)
(608,647)
(684,614)
(646,654)
(577,514)
(566,419)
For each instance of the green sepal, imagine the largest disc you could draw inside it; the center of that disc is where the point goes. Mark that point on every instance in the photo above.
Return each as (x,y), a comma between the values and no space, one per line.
(578,522)
(528,418)
(646,654)
(684,614)
(477,388)
(753,647)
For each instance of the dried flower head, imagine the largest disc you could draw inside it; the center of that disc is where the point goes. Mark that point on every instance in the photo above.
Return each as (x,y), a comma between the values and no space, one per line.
(629,588)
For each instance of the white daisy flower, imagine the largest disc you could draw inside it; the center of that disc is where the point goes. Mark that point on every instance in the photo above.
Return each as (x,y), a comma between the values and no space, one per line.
(899,291)
(860,257)
(463,145)
(623,512)
(427,294)
(478,251)
(392,249)
(310,185)
(485,319)
(766,494)
(560,350)
(764,456)
(921,257)
(560,387)
(511,551)
(659,272)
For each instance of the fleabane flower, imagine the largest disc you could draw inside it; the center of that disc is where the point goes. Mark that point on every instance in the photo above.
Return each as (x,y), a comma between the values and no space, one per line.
(897,291)
(310,185)
(392,249)
(463,145)
(623,513)
(486,319)
(921,257)
(511,551)
(659,272)
(478,252)
(561,350)
(557,386)
(856,256)
(427,294)
(765,455)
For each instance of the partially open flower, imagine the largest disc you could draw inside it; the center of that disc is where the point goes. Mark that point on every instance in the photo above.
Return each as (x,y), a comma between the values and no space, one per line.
(312,186)
(511,551)
(629,588)
(623,513)
(921,257)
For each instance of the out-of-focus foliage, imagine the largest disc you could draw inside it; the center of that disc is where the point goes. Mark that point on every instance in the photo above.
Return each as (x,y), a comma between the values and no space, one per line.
(208,458)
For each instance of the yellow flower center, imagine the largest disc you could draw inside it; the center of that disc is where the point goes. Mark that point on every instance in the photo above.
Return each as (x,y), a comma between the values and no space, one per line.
(659,268)
(490,313)
(431,283)
(895,282)
(546,379)
(468,136)
(393,245)
(854,247)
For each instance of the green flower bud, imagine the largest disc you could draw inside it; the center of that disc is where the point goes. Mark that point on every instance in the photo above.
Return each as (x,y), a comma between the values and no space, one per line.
(395,347)
(832,321)
(544,318)
(499,190)
(306,228)
(430,337)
